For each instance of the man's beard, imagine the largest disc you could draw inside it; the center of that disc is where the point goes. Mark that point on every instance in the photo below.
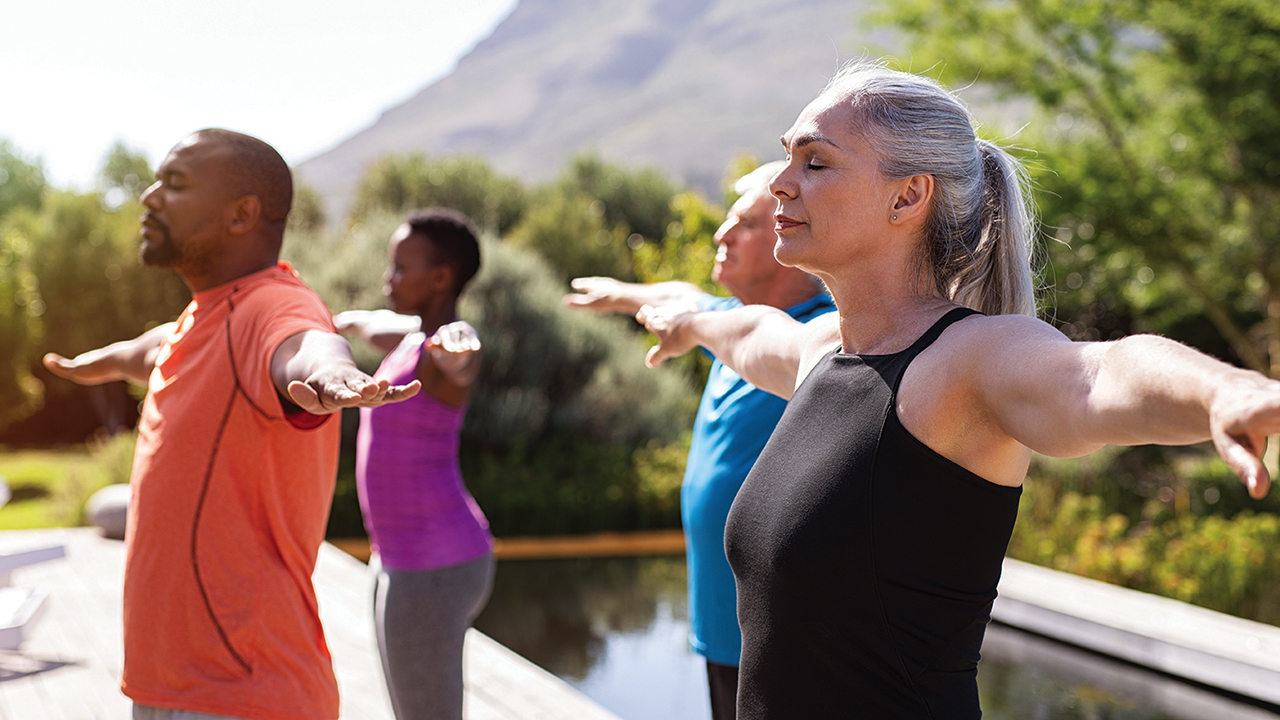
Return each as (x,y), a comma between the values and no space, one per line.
(162,253)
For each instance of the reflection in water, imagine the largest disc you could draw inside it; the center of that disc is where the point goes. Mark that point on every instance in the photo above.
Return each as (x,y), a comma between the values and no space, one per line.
(1024,676)
(616,629)
(560,613)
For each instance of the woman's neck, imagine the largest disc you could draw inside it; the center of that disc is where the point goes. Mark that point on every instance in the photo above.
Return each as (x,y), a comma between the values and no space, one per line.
(881,313)
(438,313)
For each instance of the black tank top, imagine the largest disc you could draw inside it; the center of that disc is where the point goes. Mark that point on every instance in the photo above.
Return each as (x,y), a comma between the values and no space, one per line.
(866,562)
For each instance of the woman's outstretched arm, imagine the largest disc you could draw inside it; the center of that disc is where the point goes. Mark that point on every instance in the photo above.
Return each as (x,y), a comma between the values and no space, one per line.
(382,329)
(1066,398)
(764,345)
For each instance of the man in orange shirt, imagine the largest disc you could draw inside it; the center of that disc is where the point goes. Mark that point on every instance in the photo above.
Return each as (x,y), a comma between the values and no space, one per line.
(236,456)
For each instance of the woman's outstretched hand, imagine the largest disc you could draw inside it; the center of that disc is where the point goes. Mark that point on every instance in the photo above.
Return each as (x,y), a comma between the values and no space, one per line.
(1241,418)
(455,350)
(670,323)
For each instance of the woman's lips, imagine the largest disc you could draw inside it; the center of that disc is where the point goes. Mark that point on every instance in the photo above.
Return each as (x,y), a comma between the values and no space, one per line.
(782,222)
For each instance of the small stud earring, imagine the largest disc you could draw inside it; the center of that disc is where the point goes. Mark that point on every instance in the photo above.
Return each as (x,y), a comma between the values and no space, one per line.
(895,217)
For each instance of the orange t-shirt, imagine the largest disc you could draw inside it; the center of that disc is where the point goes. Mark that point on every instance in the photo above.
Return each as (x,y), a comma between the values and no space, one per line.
(230,501)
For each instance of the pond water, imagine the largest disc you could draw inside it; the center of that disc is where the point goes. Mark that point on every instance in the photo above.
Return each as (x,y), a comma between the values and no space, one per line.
(617,630)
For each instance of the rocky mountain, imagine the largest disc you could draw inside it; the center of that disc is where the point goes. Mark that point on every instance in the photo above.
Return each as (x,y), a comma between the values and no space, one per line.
(685,85)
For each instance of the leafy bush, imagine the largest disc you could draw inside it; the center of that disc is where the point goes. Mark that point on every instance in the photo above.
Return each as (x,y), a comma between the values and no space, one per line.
(398,183)
(635,201)
(568,228)
(76,283)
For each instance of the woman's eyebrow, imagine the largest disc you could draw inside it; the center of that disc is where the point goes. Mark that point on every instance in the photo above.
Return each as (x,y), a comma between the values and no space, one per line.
(808,139)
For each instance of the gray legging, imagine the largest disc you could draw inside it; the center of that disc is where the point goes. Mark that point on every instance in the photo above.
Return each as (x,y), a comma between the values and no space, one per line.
(421,617)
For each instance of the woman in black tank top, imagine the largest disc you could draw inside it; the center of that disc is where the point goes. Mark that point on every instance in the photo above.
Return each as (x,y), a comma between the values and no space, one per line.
(867,541)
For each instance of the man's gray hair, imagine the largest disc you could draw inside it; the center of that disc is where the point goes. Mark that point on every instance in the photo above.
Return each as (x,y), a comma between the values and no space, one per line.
(757,181)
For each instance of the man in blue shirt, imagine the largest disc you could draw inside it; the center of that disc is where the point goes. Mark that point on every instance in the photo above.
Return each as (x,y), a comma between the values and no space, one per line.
(734,419)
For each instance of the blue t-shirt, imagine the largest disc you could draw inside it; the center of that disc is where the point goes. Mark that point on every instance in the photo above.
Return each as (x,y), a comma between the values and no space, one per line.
(735,420)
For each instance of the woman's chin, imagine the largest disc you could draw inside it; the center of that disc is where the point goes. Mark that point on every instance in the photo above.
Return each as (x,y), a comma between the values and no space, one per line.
(789,252)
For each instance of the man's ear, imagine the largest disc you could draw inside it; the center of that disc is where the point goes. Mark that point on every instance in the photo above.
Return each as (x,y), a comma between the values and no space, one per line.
(911,198)
(245,214)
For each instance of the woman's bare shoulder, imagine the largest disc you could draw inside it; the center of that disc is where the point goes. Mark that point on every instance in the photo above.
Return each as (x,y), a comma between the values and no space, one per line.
(819,336)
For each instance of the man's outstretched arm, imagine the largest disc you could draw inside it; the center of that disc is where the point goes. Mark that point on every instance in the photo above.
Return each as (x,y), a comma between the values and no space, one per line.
(131,360)
(606,295)
(314,370)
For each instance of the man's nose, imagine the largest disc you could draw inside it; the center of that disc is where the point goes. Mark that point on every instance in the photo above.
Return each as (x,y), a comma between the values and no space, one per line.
(149,196)
(727,233)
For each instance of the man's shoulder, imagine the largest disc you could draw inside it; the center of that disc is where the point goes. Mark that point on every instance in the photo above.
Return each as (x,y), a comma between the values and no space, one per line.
(714,303)
(279,290)
(814,307)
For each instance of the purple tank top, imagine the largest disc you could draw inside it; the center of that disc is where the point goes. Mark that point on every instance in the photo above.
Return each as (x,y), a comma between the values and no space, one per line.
(418,513)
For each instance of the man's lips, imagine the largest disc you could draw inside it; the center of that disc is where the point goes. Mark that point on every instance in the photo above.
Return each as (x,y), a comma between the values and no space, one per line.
(150,223)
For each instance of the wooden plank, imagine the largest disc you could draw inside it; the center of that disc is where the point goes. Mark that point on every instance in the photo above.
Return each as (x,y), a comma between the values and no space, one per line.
(344,588)
(79,639)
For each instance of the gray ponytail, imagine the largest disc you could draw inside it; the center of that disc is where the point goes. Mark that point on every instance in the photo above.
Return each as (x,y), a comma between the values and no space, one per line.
(977,238)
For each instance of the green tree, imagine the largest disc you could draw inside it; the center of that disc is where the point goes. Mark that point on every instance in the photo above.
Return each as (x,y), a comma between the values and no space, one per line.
(76,285)
(688,249)
(124,175)
(568,228)
(638,201)
(20,311)
(1155,152)
(308,213)
(590,219)
(22,182)
(399,183)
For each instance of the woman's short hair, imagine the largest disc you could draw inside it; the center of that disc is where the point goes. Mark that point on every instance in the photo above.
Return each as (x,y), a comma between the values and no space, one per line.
(453,239)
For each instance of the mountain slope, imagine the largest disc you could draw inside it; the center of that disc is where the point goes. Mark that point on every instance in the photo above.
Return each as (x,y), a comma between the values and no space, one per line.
(681,84)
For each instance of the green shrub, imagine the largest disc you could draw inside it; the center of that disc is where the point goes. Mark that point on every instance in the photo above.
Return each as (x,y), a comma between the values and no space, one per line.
(568,485)
(398,183)
(110,462)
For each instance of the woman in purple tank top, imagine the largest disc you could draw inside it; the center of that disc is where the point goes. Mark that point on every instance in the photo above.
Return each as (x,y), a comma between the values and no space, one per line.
(433,554)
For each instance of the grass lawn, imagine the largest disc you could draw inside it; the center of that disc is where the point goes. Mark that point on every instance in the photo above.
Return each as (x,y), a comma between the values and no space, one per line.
(50,486)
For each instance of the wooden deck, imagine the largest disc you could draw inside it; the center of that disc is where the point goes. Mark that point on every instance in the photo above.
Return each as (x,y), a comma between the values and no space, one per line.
(1194,643)
(69,669)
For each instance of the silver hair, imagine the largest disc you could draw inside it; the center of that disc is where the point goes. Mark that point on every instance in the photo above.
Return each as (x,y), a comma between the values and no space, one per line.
(757,181)
(978,237)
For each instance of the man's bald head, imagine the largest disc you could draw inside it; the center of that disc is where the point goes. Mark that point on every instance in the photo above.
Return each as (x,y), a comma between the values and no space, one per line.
(217,209)
(253,168)
(756,183)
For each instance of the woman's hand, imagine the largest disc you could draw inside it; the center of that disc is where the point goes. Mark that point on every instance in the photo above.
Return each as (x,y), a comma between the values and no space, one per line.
(455,350)
(1242,415)
(670,324)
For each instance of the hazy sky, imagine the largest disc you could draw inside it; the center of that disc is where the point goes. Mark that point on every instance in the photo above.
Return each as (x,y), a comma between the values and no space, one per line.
(77,75)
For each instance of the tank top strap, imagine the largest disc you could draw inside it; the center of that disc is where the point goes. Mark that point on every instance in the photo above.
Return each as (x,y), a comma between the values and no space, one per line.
(903,359)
